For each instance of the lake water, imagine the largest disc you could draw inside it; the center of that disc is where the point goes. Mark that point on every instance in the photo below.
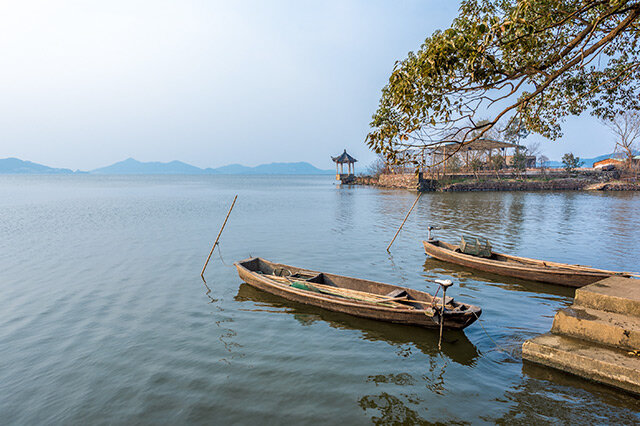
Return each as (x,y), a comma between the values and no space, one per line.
(104,317)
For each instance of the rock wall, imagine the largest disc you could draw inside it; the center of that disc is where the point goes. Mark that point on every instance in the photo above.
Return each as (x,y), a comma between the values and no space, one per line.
(406,181)
(409,181)
(598,181)
(566,184)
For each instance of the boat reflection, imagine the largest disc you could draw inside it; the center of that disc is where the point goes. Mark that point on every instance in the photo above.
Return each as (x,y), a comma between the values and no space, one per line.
(434,268)
(455,344)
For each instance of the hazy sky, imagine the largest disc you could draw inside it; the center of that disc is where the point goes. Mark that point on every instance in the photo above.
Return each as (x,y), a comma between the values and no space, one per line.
(86,83)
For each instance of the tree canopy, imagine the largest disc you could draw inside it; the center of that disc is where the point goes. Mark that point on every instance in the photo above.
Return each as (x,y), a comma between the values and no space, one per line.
(527,63)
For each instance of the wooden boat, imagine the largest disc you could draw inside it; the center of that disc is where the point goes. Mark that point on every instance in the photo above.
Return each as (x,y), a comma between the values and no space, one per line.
(520,267)
(362,298)
(456,345)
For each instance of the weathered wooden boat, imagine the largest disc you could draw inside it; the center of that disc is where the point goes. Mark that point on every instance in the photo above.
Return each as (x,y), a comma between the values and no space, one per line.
(457,347)
(362,298)
(520,267)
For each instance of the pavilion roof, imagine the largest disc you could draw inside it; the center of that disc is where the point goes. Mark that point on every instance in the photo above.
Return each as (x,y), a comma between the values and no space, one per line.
(477,145)
(344,158)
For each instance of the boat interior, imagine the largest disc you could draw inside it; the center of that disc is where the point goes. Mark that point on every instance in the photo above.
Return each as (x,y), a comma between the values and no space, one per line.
(345,287)
(505,258)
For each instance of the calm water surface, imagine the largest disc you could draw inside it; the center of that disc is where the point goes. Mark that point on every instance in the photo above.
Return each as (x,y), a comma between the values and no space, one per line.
(104,317)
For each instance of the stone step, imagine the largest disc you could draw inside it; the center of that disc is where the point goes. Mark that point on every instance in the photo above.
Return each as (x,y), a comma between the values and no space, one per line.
(588,360)
(614,294)
(607,328)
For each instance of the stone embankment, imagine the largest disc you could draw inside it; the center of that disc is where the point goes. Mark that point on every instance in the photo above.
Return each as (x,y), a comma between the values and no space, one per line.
(567,184)
(598,337)
(595,182)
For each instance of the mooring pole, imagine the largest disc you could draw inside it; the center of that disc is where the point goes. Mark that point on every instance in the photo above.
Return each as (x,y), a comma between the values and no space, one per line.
(218,237)
(405,219)
(444,295)
(444,284)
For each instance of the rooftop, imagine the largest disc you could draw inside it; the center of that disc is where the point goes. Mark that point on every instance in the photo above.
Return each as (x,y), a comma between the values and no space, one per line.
(344,158)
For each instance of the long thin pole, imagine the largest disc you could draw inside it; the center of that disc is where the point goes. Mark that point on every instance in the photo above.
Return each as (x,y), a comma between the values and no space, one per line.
(444,296)
(405,219)
(218,237)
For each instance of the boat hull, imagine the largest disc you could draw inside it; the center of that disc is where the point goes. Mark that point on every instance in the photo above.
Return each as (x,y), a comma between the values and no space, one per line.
(417,317)
(570,278)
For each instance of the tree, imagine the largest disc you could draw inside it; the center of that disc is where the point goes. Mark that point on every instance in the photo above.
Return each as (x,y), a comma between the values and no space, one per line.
(570,162)
(454,164)
(476,165)
(538,60)
(497,162)
(520,160)
(533,149)
(626,127)
(378,167)
(514,131)
(544,163)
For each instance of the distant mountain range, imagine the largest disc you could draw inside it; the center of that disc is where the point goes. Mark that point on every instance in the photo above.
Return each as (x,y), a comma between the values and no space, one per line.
(135,167)
(17,166)
(131,166)
(301,168)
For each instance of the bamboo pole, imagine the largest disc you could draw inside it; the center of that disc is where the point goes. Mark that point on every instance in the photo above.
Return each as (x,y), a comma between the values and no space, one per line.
(557,265)
(444,284)
(218,237)
(405,219)
(363,294)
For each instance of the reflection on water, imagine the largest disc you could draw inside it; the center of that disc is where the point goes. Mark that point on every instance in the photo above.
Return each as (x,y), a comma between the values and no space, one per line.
(455,345)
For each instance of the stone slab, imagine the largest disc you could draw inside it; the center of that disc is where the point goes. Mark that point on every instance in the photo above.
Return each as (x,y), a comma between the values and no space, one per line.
(614,294)
(588,360)
(607,328)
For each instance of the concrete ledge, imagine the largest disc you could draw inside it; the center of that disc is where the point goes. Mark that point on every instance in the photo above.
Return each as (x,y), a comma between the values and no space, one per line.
(614,294)
(590,361)
(607,328)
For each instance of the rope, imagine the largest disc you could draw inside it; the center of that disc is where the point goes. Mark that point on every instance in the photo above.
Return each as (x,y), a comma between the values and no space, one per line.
(221,259)
(433,300)
(500,348)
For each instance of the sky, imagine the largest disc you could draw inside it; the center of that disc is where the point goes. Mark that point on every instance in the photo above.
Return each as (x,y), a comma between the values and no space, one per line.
(87,83)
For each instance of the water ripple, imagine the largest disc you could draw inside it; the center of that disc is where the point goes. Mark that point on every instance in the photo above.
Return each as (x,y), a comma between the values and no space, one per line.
(104,317)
